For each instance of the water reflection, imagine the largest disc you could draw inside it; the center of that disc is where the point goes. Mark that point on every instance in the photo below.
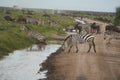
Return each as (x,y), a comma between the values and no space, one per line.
(23,64)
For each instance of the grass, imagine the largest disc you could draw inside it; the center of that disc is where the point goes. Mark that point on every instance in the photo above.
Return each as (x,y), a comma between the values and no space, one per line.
(12,39)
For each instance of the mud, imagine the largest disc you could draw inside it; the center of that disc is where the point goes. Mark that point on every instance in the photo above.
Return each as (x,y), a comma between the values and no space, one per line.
(103,65)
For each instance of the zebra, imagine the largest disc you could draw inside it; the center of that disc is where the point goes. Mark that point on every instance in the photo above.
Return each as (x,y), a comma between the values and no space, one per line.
(78,27)
(108,36)
(75,39)
(32,34)
(95,28)
(35,35)
(32,20)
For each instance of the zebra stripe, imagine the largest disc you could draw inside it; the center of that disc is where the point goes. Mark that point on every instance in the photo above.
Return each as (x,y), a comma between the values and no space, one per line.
(87,37)
(74,39)
(90,38)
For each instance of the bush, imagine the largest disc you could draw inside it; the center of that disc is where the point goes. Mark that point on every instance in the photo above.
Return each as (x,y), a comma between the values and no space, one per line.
(117,18)
(12,40)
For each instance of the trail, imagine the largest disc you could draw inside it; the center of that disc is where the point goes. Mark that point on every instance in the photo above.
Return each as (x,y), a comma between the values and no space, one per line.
(103,65)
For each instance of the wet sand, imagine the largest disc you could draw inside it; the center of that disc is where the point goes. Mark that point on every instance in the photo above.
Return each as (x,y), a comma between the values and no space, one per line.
(103,65)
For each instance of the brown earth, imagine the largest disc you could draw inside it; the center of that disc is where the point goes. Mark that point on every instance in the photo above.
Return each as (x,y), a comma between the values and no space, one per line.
(103,65)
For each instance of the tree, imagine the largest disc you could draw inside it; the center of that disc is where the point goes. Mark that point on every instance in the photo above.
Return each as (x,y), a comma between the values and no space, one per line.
(117,18)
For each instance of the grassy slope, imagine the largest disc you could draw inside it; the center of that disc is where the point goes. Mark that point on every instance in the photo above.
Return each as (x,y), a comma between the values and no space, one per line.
(12,39)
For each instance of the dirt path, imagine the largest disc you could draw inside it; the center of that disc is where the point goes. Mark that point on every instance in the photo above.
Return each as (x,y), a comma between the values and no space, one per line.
(103,65)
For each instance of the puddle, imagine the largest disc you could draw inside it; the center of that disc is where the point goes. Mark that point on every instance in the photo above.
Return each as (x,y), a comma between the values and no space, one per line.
(24,64)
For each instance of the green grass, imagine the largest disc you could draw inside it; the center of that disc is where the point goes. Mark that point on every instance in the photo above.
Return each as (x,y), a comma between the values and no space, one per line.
(12,39)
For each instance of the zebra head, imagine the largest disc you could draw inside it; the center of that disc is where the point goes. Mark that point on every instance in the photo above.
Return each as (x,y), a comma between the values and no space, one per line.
(107,34)
(41,38)
(104,35)
(66,42)
(64,45)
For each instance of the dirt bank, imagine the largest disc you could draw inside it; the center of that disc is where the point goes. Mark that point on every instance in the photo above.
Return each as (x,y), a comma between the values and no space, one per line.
(103,65)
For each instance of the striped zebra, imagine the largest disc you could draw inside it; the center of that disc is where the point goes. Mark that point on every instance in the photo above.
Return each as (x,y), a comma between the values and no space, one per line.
(75,39)
(32,34)
(108,36)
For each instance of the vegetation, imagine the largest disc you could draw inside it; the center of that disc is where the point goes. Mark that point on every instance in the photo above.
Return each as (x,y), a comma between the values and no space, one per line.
(12,39)
(107,17)
(117,18)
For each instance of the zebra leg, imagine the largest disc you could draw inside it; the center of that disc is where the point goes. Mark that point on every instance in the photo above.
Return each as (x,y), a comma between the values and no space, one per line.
(89,48)
(91,30)
(70,48)
(77,49)
(109,42)
(94,47)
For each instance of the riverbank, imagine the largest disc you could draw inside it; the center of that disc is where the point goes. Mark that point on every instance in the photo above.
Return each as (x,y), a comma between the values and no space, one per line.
(14,40)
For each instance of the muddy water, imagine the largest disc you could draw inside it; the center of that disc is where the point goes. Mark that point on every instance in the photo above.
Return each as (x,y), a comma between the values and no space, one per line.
(24,64)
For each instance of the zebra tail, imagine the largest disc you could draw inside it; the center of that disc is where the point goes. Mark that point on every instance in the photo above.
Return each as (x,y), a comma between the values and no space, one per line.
(94,46)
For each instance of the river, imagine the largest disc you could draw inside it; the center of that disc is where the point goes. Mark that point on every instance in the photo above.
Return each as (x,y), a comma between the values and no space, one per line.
(24,64)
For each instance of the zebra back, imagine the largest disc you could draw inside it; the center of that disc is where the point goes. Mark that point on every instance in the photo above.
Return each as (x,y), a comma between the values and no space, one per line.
(32,34)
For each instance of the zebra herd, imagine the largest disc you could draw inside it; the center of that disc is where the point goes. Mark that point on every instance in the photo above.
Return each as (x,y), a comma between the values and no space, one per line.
(84,36)
(71,40)
(81,37)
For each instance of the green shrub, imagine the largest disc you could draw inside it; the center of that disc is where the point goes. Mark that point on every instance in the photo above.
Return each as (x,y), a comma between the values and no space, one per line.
(117,17)
(12,40)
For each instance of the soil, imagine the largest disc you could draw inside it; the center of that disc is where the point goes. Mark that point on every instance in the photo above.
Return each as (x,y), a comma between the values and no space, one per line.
(103,65)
